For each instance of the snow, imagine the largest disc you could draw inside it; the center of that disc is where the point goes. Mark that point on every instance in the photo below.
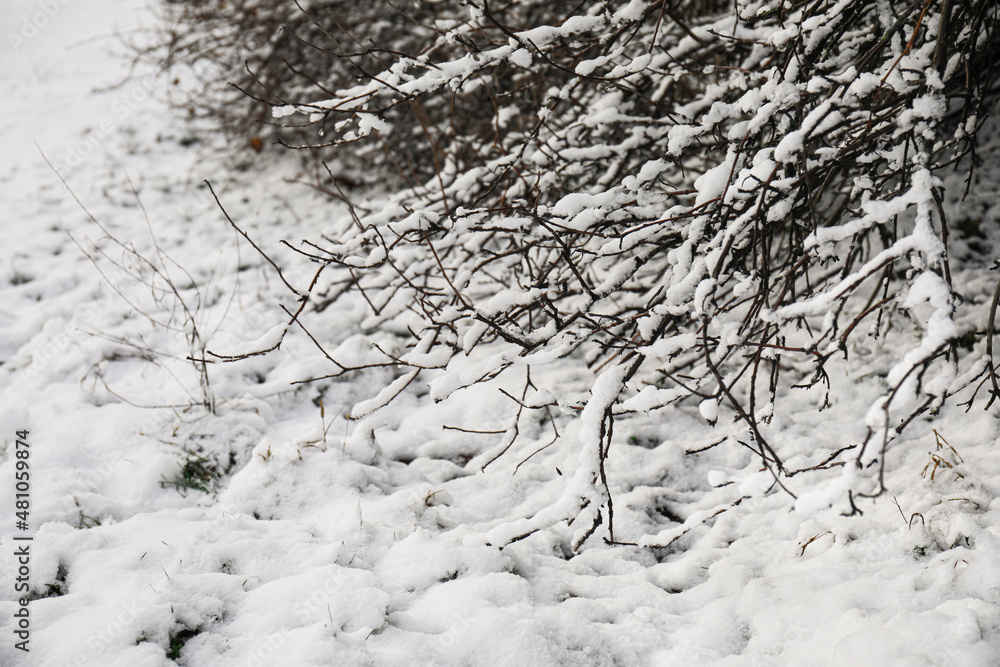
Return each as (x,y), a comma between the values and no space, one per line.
(709,409)
(270,340)
(336,534)
(521,58)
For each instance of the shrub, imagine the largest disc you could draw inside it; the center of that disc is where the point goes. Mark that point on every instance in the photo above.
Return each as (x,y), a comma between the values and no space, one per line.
(233,60)
(687,194)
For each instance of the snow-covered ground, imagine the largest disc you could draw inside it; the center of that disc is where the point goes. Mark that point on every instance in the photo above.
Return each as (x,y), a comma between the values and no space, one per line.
(275,532)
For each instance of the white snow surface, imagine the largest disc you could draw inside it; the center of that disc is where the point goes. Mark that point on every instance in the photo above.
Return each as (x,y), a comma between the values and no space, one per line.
(323,541)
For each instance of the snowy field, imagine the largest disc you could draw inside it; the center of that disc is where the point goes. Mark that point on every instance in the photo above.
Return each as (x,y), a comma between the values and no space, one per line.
(271,530)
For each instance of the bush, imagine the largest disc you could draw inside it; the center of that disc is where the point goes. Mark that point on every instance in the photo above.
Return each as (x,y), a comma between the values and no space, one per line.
(233,60)
(689,195)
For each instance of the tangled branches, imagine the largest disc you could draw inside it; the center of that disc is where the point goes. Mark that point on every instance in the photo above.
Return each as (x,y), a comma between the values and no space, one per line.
(684,193)
(239,58)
